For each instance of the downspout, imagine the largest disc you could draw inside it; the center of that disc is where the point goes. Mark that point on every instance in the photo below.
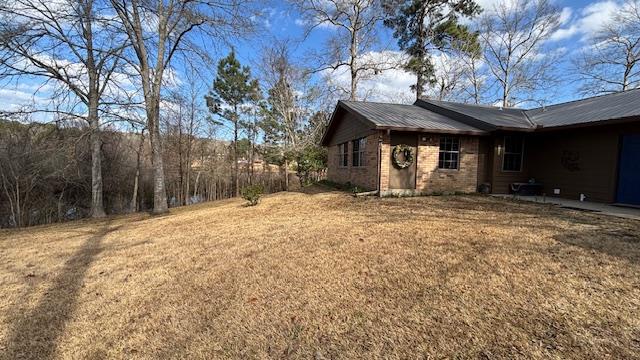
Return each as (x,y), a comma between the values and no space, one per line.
(379,165)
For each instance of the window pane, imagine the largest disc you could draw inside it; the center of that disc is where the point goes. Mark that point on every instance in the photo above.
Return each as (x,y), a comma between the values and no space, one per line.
(449,152)
(512,158)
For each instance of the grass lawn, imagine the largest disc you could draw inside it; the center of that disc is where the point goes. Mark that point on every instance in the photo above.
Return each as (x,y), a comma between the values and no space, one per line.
(324,275)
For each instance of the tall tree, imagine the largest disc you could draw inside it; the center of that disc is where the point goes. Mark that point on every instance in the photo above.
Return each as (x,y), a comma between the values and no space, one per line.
(290,94)
(612,61)
(232,89)
(423,27)
(158,29)
(514,38)
(75,46)
(355,23)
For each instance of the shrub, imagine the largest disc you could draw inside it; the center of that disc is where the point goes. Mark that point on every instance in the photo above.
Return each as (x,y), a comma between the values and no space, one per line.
(252,194)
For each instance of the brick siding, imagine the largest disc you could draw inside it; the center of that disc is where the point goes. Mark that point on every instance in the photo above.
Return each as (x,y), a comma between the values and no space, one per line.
(430,179)
(366,176)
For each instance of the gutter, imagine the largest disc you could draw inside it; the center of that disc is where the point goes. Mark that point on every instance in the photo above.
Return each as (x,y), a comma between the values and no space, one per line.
(379,164)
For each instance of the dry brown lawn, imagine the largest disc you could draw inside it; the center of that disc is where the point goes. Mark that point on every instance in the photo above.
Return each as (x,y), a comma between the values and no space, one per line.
(323,275)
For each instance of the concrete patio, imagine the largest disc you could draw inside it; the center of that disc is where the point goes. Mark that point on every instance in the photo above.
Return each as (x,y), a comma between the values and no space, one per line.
(605,209)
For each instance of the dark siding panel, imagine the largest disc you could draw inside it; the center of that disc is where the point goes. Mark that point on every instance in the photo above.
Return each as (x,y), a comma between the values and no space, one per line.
(349,128)
(580,161)
(502,180)
(484,161)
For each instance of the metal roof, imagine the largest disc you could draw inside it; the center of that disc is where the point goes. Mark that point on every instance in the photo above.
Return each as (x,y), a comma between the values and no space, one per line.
(409,117)
(511,118)
(449,117)
(600,108)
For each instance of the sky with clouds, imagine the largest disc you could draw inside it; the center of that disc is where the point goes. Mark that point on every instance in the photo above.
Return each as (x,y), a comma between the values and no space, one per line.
(580,19)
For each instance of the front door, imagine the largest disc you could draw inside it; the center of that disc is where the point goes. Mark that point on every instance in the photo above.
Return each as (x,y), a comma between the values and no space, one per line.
(401,174)
(629,171)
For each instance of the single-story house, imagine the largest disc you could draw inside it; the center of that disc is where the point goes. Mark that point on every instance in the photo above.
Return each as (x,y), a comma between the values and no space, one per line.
(588,148)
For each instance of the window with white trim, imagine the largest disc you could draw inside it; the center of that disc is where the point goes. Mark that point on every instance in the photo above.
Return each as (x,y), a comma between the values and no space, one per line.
(343,155)
(358,152)
(449,157)
(513,150)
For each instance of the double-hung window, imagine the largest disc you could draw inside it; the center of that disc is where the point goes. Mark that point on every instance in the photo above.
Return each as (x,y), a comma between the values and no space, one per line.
(343,155)
(513,150)
(449,153)
(358,152)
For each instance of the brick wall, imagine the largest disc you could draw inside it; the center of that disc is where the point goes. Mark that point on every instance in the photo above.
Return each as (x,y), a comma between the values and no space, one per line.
(430,179)
(366,176)
(385,155)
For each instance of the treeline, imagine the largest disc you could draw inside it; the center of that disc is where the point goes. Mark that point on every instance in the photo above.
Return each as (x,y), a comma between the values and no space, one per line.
(45,172)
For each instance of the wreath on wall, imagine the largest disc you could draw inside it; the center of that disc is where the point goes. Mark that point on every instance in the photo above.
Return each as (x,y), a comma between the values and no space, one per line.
(407,152)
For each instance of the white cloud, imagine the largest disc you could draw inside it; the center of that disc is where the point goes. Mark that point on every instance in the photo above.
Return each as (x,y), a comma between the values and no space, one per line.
(391,85)
(589,21)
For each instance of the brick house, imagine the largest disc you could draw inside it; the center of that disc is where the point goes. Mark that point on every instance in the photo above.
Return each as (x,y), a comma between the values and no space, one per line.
(588,148)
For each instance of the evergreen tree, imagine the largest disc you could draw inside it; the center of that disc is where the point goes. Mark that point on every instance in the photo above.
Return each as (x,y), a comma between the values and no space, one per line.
(421,26)
(232,88)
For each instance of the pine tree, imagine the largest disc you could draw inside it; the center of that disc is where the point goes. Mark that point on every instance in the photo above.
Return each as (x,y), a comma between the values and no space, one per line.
(421,26)
(232,88)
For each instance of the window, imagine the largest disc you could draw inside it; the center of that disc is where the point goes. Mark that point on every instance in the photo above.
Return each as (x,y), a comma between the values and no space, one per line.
(449,153)
(513,149)
(343,155)
(358,152)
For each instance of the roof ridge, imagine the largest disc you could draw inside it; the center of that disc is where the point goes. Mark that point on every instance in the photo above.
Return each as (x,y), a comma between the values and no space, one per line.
(374,102)
(583,99)
(475,105)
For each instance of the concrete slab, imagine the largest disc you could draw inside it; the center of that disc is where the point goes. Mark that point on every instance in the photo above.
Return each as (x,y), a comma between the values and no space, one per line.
(605,209)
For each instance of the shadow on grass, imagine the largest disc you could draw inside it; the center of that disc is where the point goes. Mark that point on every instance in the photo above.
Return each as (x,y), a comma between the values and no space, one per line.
(315,189)
(616,241)
(35,333)
(606,235)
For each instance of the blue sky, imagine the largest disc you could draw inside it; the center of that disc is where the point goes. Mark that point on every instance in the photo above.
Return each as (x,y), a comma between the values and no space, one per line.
(580,19)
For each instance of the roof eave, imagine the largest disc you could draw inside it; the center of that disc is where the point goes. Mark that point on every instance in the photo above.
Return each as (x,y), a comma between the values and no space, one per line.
(434,131)
(622,120)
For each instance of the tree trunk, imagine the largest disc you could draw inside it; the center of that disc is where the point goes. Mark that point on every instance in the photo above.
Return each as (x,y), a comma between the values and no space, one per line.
(97,206)
(160,205)
(286,175)
(136,181)
(354,65)
(236,190)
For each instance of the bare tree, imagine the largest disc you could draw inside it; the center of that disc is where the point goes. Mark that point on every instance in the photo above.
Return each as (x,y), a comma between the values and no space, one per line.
(73,44)
(513,36)
(612,61)
(158,29)
(290,96)
(354,25)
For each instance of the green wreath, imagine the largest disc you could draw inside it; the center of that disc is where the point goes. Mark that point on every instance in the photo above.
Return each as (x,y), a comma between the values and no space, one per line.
(405,150)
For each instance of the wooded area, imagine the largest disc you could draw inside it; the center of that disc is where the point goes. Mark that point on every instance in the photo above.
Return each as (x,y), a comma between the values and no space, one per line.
(149,106)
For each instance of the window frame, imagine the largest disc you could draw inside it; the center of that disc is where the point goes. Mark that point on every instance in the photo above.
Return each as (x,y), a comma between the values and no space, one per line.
(504,153)
(360,154)
(442,161)
(343,155)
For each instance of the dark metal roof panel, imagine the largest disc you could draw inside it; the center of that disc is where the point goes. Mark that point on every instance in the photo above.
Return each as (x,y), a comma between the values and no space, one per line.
(600,108)
(407,116)
(499,117)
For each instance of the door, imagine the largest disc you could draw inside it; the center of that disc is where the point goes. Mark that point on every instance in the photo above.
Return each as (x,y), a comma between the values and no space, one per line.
(399,177)
(629,171)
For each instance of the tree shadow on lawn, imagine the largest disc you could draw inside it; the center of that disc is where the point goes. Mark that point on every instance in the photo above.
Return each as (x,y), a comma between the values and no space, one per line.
(315,189)
(35,333)
(604,234)
(618,241)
